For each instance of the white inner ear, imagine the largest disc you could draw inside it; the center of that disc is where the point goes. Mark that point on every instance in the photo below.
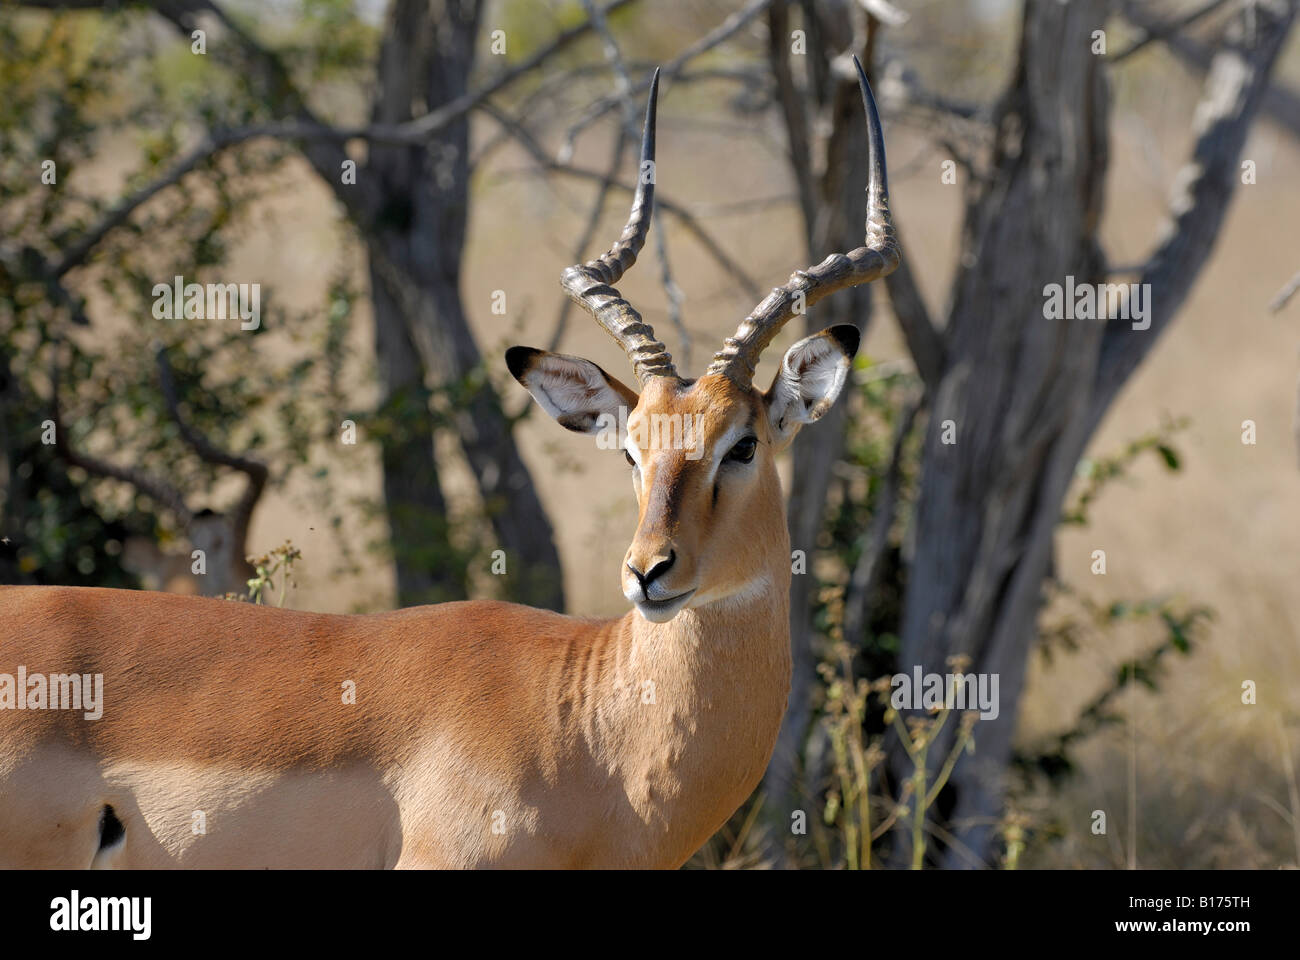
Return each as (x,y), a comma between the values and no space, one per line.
(575,392)
(813,373)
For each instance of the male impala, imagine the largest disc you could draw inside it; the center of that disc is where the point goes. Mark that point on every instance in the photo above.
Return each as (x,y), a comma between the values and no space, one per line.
(481,733)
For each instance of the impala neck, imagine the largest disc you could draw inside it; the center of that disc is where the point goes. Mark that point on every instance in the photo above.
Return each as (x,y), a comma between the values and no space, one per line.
(690,708)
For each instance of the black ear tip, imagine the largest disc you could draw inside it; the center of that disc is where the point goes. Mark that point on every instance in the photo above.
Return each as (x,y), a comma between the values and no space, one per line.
(848,337)
(519,359)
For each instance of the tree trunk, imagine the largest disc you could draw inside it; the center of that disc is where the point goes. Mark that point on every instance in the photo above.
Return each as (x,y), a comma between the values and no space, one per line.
(416,244)
(410,205)
(423,557)
(1024,392)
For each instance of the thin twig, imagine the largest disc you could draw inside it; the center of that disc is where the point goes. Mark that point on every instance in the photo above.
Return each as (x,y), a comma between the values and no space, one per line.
(1164,31)
(204,448)
(1285,294)
(589,231)
(210,145)
(546,164)
(161,492)
(623,90)
(925,342)
(672,291)
(719,34)
(795,115)
(256,471)
(304,128)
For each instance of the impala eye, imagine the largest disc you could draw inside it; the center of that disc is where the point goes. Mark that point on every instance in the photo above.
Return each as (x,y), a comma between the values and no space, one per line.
(743,452)
(628,456)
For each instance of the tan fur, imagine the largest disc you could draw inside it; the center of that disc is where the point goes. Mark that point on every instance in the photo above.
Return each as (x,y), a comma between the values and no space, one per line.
(483,733)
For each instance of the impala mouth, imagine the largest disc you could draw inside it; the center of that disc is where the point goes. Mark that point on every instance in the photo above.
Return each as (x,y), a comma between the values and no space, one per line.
(661,611)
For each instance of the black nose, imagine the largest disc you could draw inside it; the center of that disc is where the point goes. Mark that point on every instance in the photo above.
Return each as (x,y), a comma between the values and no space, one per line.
(655,572)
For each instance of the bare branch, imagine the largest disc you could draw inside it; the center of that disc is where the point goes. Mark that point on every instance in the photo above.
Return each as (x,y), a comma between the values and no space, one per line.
(876,257)
(327,159)
(548,165)
(1285,294)
(162,493)
(281,94)
(589,231)
(924,342)
(959,156)
(718,35)
(795,116)
(159,491)
(207,451)
(420,129)
(1281,103)
(672,291)
(121,212)
(1234,90)
(1156,32)
(623,88)
(750,77)
(255,470)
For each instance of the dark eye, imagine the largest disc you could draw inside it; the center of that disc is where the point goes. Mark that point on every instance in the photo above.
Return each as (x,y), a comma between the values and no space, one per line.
(743,452)
(628,457)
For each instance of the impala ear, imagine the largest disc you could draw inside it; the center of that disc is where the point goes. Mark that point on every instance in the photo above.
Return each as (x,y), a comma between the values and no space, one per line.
(812,374)
(576,392)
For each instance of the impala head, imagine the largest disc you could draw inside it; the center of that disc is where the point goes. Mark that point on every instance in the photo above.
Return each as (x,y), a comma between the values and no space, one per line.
(702,451)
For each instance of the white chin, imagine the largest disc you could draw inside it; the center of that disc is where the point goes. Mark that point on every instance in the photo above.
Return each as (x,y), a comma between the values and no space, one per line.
(662,612)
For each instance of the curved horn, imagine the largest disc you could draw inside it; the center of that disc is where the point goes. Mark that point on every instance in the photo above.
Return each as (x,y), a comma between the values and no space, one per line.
(589,284)
(878,258)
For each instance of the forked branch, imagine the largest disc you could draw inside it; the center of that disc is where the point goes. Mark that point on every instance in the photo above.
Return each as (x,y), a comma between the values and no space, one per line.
(256,471)
(157,490)
(1234,91)
(160,491)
